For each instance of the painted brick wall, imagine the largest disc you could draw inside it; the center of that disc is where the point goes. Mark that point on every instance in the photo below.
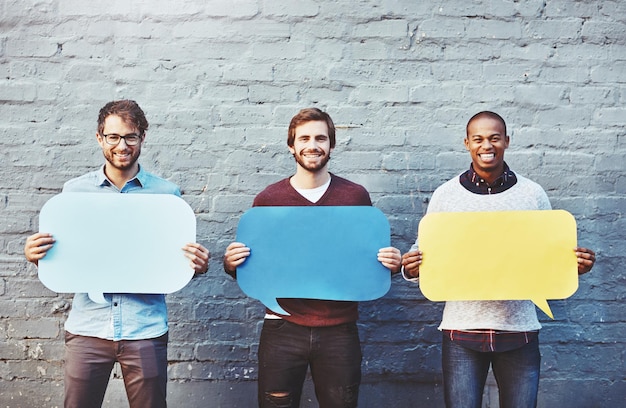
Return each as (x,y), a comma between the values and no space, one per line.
(219,81)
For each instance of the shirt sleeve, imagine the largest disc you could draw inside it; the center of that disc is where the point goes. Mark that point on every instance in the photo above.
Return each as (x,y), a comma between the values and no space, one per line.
(543,202)
(407,278)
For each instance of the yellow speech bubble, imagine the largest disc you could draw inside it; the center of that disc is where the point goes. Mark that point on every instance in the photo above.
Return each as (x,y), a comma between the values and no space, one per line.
(502,255)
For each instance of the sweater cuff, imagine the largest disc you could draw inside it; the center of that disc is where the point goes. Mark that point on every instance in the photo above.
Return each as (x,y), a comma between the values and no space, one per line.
(408,278)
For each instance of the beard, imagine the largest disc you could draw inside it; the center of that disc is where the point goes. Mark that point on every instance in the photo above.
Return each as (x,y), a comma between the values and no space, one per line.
(122,164)
(313,167)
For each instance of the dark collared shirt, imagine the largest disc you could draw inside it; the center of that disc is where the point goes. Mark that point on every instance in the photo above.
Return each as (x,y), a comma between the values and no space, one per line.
(477,185)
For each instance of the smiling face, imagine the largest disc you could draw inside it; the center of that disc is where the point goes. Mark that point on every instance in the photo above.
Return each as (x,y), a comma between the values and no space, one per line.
(121,160)
(486,141)
(311,146)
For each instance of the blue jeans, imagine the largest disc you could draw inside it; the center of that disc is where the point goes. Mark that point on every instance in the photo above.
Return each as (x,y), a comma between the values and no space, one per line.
(88,365)
(286,350)
(465,372)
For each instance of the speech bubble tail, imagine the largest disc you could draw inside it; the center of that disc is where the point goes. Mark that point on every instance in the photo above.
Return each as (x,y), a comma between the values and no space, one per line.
(544,306)
(275,307)
(97,297)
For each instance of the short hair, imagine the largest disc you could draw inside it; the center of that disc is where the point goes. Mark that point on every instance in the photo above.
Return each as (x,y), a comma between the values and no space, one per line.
(128,110)
(310,115)
(486,114)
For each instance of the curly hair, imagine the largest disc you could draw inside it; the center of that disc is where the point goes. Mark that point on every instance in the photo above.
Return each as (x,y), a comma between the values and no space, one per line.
(128,110)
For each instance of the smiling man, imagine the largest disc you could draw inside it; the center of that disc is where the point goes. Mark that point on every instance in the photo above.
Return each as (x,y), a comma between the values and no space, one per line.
(320,334)
(486,142)
(131,329)
(480,334)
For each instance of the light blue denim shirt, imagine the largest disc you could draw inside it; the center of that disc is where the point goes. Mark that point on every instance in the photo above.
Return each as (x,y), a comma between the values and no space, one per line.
(126,316)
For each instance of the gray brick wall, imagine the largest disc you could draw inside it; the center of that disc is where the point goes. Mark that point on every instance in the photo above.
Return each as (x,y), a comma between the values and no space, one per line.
(220,80)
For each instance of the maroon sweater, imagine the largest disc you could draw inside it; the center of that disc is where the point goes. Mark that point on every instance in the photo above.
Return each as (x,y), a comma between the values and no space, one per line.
(310,312)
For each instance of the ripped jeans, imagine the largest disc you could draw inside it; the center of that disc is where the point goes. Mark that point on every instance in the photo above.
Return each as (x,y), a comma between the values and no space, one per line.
(286,350)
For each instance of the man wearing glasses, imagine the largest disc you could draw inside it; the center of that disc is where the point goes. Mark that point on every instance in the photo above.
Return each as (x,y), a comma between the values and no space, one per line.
(138,339)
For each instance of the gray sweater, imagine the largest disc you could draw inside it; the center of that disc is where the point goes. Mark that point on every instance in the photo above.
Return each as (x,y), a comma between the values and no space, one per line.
(511,315)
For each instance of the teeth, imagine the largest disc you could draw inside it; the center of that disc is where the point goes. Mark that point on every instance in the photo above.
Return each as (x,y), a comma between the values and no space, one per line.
(487,156)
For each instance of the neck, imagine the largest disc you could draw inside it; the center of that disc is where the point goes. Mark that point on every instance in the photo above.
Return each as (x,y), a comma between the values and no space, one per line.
(119,177)
(307,179)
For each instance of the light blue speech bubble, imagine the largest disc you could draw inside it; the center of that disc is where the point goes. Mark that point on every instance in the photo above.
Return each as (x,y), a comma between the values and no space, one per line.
(116,243)
(322,252)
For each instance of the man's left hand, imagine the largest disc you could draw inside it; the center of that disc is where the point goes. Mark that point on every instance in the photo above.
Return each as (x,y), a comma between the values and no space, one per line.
(586,259)
(391,258)
(199,257)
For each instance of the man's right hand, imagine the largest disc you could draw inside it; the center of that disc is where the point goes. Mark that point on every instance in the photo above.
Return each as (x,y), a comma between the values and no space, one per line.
(411,262)
(236,253)
(37,245)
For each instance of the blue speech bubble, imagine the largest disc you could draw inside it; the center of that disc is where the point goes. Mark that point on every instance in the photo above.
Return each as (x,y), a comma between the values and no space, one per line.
(324,252)
(116,243)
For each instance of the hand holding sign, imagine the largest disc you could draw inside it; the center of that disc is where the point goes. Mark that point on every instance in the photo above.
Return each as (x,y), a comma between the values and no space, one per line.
(321,252)
(527,255)
(116,243)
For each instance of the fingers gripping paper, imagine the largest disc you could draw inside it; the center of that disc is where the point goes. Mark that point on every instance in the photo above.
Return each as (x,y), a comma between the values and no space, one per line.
(116,243)
(507,255)
(327,253)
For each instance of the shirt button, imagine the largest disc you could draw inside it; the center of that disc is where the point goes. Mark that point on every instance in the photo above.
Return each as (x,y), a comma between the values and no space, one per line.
(114,303)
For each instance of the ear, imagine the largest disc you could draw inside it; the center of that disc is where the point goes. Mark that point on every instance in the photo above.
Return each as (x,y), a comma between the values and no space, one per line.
(466,143)
(100,139)
(291,149)
(506,141)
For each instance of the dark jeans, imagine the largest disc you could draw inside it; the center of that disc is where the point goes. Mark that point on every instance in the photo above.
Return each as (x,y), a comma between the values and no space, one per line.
(465,372)
(88,365)
(286,350)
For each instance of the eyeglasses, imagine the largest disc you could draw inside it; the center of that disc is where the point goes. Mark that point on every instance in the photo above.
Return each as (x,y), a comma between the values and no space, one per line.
(113,139)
